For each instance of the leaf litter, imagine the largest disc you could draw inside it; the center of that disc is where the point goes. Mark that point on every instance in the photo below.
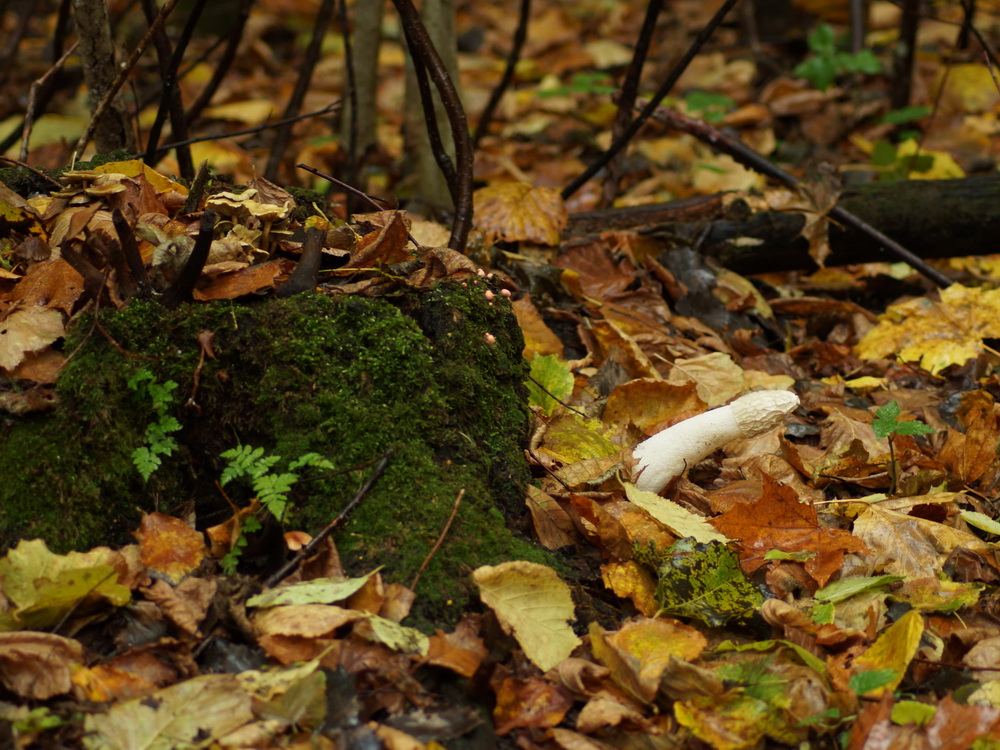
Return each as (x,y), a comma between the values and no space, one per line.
(778,594)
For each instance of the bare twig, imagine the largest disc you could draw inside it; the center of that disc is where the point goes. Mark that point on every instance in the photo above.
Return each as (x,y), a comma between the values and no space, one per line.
(375,203)
(520,34)
(328,109)
(284,134)
(234,34)
(626,99)
(38,95)
(439,541)
(619,143)
(307,550)
(32,169)
(170,102)
(421,45)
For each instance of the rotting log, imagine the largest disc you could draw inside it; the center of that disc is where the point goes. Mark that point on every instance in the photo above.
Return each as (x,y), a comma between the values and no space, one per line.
(931,218)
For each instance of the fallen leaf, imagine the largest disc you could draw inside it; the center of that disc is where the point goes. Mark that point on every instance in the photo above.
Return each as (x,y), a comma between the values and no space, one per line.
(516,211)
(28,330)
(38,666)
(532,604)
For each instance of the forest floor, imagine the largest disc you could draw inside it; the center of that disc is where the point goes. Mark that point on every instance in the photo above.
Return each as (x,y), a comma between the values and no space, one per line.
(830,581)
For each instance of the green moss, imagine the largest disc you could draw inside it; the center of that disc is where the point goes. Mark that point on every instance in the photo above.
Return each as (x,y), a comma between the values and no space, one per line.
(348,378)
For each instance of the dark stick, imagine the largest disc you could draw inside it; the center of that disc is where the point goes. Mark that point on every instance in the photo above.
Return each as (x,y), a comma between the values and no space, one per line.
(181,289)
(235,34)
(444,162)
(903,56)
(303,553)
(414,27)
(7,56)
(170,103)
(305,276)
(747,156)
(130,248)
(619,143)
(38,96)
(284,134)
(520,34)
(626,100)
(351,167)
(197,191)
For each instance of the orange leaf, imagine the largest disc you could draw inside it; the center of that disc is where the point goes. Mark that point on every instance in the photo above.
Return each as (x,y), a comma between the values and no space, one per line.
(778,521)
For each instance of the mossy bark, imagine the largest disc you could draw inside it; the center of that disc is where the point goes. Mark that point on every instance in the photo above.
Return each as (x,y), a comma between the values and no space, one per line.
(345,377)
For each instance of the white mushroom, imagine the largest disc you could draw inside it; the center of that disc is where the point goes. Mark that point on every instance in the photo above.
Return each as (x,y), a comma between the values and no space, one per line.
(672,451)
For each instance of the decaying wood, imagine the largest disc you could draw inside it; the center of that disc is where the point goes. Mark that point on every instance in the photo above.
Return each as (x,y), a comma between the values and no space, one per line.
(931,218)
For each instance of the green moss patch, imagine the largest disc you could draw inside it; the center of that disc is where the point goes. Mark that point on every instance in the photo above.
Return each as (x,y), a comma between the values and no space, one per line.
(345,377)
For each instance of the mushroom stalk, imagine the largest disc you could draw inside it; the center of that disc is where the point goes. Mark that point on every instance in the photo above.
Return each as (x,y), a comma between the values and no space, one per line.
(672,451)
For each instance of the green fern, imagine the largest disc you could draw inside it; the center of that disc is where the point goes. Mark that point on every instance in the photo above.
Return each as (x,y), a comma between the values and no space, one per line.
(270,488)
(158,443)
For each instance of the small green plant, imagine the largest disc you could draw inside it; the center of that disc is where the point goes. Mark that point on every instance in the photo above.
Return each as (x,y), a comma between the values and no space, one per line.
(708,105)
(38,720)
(827,62)
(892,166)
(582,83)
(269,487)
(158,443)
(887,425)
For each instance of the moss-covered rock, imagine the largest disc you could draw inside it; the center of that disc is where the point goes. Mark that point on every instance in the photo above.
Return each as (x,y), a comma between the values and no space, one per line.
(345,377)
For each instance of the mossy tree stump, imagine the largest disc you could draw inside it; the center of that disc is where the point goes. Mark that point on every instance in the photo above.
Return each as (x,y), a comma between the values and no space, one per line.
(345,377)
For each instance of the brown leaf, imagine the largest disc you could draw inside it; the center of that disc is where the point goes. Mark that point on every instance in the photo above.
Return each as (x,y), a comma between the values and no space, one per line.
(25,330)
(970,455)
(51,283)
(239,283)
(649,403)
(515,211)
(778,521)
(169,546)
(385,246)
(38,665)
(538,337)
(534,703)
(461,651)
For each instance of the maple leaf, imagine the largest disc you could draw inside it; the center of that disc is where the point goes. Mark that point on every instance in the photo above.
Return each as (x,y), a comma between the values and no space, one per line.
(778,521)
(936,334)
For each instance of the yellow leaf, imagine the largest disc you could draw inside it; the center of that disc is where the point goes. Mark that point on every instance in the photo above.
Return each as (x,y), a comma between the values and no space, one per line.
(894,650)
(533,604)
(680,521)
(936,334)
(516,211)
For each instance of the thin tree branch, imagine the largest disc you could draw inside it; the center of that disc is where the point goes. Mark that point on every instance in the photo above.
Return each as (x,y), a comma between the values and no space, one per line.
(520,34)
(619,143)
(284,134)
(414,28)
